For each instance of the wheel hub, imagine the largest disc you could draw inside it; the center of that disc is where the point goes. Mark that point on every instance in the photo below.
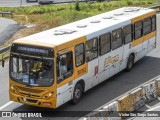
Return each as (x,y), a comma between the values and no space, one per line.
(77,93)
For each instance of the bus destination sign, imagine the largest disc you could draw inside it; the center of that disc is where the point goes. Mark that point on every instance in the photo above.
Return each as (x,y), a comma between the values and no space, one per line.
(32,50)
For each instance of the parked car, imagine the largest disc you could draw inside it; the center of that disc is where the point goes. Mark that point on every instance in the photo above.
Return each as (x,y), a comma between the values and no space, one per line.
(46,1)
(31,1)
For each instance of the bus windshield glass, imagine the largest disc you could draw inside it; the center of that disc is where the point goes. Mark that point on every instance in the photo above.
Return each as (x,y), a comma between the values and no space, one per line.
(31,71)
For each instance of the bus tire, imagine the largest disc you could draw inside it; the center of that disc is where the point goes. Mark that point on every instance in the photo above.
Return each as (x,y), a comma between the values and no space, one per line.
(77,94)
(130,63)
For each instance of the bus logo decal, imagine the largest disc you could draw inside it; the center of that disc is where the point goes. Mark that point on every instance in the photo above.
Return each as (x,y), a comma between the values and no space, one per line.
(111,60)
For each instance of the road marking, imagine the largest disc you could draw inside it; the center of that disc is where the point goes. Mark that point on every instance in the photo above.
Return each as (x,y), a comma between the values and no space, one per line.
(5,105)
(148,106)
(154,108)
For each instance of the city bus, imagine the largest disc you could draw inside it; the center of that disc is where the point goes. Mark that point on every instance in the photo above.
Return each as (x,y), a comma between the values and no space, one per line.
(50,68)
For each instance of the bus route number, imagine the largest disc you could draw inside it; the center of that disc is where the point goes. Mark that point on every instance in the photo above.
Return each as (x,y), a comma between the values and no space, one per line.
(82,71)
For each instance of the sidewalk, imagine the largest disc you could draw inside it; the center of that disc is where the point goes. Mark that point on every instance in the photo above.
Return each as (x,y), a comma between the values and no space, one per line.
(8,28)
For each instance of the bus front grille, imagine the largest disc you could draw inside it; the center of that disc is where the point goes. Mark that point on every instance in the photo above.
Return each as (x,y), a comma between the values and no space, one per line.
(29,90)
(29,100)
(30,95)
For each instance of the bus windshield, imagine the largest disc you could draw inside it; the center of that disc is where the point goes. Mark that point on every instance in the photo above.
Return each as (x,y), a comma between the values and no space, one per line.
(31,71)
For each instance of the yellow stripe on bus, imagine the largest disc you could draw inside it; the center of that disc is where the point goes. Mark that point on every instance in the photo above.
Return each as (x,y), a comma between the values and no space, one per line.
(146,37)
(72,43)
(149,36)
(143,16)
(137,42)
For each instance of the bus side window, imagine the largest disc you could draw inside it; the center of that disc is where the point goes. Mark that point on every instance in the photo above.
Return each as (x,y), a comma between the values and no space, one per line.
(147,26)
(138,29)
(153,23)
(127,32)
(117,40)
(91,49)
(64,66)
(79,54)
(105,43)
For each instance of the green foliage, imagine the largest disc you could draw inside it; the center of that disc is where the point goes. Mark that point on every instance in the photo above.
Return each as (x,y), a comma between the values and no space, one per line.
(55,15)
(77,7)
(129,2)
(83,7)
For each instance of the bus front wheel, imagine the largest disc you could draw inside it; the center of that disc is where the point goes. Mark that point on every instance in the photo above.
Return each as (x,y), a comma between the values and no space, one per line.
(130,63)
(77,94)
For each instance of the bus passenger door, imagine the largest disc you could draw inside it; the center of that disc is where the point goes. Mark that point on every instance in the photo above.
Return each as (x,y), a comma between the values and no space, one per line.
(127,47)
(65,76)
(93,72)
(92,60)
(103,68)
(137,43)
(158,29)
(116,55)
(104,51)
(115,59)
(151,37)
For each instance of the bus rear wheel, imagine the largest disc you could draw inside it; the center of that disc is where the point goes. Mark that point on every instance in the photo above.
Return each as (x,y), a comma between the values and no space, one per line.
(77,94)
(130,63)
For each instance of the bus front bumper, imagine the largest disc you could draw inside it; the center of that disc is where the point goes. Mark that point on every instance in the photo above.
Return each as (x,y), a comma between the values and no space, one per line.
(47,103)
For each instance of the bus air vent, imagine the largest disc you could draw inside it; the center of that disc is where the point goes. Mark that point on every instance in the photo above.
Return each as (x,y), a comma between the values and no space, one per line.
(64,31)
(135,9)
(81,26)
(115,19)
(118,14)
(59,33)
(95,21)
(107,17)
(128,10)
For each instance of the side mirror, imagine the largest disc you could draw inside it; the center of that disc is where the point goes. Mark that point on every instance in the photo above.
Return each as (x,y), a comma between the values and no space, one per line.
(3,62)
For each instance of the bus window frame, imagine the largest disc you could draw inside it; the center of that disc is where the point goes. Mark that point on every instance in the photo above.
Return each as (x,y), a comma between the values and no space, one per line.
(31,56)
(92,49)
(57,68)
(144,26)
(105,44)
(135,38)
(124,35)
(80,54)
(118,38)
(154,16)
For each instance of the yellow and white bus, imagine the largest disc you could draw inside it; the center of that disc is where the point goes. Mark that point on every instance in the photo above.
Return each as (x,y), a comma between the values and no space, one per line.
(52,67)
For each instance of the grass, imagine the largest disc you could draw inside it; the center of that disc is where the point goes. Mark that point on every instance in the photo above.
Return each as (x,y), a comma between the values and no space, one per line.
(6,54)
(49,16)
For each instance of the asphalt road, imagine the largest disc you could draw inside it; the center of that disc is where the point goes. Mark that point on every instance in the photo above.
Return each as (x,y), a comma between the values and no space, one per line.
(20,3)
(147,68)
(16,3)
(4,85)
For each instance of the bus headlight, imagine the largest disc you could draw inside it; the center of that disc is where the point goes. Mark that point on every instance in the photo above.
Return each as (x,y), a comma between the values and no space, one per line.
(48,95)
